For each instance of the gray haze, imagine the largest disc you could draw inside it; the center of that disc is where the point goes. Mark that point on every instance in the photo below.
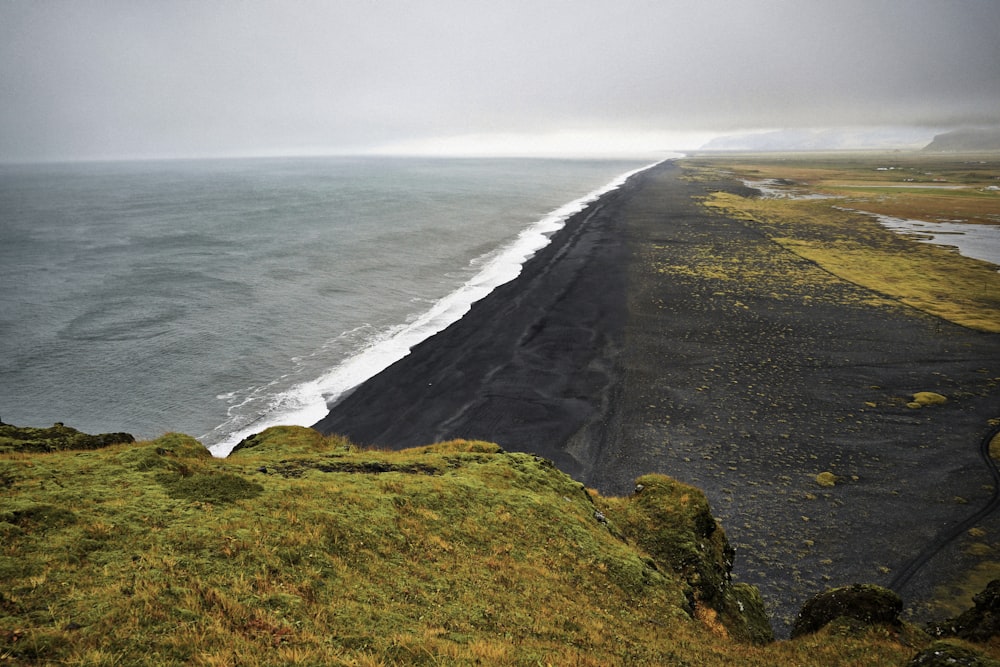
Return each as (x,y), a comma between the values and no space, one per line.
(160,78)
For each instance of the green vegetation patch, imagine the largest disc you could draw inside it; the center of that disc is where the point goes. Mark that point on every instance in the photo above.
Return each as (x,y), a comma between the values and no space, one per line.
(827,479)
(37,517)
(218,487)
(857,249)
(456,553)
(673,523)
(55,438)
(924,398)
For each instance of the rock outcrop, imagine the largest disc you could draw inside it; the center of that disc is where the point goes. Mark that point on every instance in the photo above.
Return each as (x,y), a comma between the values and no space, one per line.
(673,523)
(55,438)
(948,655)
(863,604)
(978,624)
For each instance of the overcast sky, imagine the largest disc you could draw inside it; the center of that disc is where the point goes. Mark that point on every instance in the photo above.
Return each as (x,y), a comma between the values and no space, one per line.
(159,78)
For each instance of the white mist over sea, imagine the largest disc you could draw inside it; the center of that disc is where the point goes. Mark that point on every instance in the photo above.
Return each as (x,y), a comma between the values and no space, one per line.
(217,298)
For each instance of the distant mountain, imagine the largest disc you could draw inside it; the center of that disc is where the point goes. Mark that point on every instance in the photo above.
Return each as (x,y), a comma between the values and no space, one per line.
(967,139)
(821,140)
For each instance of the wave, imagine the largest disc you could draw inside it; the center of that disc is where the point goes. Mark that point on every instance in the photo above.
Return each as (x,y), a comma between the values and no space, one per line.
(309,402)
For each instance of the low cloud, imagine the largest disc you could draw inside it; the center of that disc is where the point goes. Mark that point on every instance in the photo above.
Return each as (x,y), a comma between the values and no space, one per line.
(143,78)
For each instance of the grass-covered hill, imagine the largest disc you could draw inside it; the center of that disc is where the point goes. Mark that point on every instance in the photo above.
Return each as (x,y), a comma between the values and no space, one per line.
(300,549)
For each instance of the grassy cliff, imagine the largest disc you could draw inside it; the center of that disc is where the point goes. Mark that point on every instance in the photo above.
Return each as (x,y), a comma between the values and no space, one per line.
(300,549)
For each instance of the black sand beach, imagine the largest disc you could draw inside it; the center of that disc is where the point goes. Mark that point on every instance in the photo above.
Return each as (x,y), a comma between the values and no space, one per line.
(612,357)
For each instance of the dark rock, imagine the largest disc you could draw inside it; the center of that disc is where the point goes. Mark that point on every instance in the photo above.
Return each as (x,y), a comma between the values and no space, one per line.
(978,624)
(868,604)
(947,655)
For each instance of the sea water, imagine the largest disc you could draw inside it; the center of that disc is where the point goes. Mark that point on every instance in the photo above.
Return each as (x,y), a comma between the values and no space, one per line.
(218,297)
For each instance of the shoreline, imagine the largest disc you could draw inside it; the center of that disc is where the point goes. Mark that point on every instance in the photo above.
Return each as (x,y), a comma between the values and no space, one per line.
(610,356)
(522,366)
(310,400)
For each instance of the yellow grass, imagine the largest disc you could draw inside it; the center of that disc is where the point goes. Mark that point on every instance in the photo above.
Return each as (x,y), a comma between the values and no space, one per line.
(305,550)
(855,248)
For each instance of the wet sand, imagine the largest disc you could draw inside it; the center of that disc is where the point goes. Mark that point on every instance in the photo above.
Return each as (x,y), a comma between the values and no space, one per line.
(610,357)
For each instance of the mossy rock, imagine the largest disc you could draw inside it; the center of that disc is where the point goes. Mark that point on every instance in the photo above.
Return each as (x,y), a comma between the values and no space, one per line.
(925,398)
(673,523)
(978,624)
(942,654)
(288,440)
(180,445)
(58,437)
(827,479)
(173,451)
(745,615)
(868,604)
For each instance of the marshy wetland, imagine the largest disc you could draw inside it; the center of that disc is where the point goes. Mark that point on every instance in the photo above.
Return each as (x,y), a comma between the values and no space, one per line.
(823,208)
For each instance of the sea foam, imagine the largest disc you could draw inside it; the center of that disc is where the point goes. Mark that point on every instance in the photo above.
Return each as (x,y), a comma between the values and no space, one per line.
(308,402)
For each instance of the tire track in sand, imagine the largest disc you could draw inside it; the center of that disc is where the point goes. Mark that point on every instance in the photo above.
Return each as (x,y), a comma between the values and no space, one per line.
(944,538)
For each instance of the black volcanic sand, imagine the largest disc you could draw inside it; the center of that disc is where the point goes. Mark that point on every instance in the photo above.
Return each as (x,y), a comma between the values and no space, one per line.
(614,355)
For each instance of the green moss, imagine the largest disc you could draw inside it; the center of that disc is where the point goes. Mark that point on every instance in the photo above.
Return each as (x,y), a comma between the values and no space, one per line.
(948,654)
(673,523)
(38,517)
(855,607)
(924,398)
(142,459)
(826,478)
(287,440)
(457,553)
(55,438)
(746,616)
(215,487)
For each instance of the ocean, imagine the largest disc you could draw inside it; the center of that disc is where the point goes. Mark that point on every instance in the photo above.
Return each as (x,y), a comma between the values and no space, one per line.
(219,297)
